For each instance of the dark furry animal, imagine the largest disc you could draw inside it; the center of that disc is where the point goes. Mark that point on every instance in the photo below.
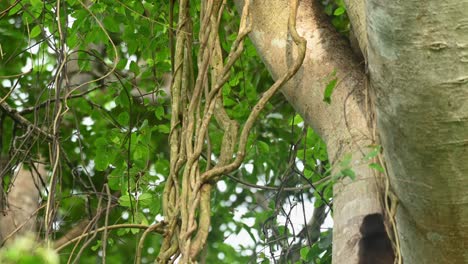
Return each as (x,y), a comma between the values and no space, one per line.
(375,246)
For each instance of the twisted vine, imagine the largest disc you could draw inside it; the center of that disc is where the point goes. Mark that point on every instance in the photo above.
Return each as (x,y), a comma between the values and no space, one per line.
(196,101)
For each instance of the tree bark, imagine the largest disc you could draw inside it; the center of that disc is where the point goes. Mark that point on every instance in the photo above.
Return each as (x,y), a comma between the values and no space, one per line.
(343,124)
(19,217)
(418,64)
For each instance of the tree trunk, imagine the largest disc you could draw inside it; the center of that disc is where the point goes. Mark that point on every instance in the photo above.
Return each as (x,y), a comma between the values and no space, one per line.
(19,216)
(343,124)
(418,64)
(420,105)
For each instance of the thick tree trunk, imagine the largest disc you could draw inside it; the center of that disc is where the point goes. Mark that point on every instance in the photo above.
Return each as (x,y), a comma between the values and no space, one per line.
(343,124)
(418,68)
(421,108)
(418,63)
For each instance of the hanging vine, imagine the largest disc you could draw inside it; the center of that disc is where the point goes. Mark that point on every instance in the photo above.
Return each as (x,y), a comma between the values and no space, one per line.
(196,102)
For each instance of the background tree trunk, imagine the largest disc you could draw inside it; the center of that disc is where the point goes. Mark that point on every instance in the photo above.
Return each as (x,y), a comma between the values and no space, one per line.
(19,216)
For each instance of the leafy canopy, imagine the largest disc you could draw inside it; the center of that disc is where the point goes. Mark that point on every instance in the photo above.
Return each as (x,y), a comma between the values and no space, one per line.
(69,71)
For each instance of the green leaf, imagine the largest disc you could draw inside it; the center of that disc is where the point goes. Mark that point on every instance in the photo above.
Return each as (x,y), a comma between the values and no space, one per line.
(308,173)
(72,41)
(228,101)
(145,199)
(125,200)
(373,153)
(159,112)
(100,142)
(339,11)
(124,118)
(304,253)
(122,63)
(122,100)
(328,9)
(164,129)
(263,147)
(348,172)
(326,241)
(36,4)
(35,31)
(150,62)
(123,231)
(296,120)
(141,152)
(96,246)
(329,90)
(101,160)
(134,68)
(110,24)
(15,10)
(377,167)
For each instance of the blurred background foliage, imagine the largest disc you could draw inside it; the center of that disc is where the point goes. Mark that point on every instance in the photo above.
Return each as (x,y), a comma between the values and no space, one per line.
(108,136)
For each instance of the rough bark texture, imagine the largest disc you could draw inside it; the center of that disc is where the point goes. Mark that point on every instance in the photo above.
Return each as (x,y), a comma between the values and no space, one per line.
(342,124)
(418,63)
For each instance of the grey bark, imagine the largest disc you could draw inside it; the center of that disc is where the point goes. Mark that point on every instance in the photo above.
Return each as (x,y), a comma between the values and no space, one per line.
(418,64)
(417,55)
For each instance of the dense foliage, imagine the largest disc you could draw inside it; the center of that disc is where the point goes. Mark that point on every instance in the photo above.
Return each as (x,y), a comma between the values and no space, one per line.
(72,78)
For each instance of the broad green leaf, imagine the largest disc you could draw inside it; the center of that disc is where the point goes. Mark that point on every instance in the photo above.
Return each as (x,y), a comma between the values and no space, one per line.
(15,9)
(126,201)
(35,31)
(339,11)
(124,118)
(164,129)
(304,253)
(145,199)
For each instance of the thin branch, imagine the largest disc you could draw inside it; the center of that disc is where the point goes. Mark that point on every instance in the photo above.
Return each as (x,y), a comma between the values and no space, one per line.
(160,229)
(23,122)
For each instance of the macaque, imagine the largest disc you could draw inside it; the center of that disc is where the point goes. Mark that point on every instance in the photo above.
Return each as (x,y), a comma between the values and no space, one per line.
(375,246)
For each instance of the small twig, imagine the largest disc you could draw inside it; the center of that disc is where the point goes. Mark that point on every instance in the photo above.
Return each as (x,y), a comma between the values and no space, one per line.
(106,223)
(23,122)
(10,91)
(31,109)
(20,226)
(159,230)
(150,229)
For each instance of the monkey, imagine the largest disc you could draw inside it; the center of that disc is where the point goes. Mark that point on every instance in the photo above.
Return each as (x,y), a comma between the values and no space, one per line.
(375,246)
